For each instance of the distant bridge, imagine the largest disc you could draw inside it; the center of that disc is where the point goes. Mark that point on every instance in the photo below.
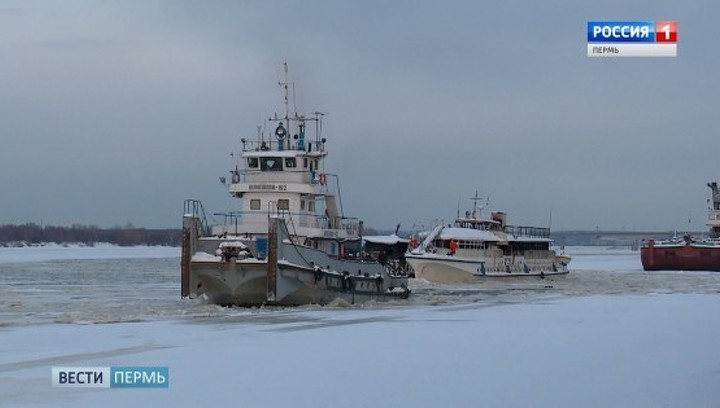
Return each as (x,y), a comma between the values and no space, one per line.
(611,238)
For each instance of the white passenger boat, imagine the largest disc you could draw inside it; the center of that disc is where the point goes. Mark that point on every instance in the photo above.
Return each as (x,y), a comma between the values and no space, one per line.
(290,243)
(476,247)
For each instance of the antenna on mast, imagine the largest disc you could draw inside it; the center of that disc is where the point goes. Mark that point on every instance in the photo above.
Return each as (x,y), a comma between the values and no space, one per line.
(318,125)
(284,86)
(287,110)
(475,204)
(550,221)
(458,207)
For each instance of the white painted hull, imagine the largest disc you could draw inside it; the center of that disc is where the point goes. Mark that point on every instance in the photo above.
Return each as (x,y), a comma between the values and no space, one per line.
(455,269)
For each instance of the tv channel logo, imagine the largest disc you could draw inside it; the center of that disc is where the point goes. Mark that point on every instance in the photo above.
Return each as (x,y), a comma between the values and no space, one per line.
(111,377)
(632,38)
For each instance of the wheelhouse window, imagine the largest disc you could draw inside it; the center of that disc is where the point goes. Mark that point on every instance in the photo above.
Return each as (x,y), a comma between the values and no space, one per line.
(252,162)
(283,204)
(305,162)
(270,164)
(290,163)
(302,205)
(255,204)
(311,206)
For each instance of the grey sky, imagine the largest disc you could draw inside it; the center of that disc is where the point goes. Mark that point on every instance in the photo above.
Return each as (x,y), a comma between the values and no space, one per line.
(115,111)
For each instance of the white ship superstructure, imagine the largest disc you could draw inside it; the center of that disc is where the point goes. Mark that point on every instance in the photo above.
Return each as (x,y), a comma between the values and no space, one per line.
(290,242)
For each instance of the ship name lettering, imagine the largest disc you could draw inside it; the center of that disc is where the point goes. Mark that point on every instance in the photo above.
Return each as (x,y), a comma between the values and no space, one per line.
(273,187)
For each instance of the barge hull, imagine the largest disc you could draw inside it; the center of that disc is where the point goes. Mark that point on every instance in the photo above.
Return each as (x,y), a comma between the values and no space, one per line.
(686,257)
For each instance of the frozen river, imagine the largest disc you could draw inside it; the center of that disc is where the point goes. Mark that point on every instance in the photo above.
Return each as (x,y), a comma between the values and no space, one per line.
(607,334)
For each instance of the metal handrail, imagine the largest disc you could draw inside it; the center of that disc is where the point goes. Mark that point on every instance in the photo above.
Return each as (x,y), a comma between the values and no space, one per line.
(195,208)
(350,224)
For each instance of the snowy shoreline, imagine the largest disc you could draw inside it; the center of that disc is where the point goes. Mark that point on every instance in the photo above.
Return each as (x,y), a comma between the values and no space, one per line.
(52,251)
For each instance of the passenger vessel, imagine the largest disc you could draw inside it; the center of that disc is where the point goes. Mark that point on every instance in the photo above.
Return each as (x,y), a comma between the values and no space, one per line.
(476,247)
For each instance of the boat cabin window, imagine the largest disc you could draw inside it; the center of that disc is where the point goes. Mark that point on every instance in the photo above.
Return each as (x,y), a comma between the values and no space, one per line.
(270,164)
(311,206)
(305,162)
(283,204)
(290,163)
(302,205)
(253,162)
(472,245)
(255,204)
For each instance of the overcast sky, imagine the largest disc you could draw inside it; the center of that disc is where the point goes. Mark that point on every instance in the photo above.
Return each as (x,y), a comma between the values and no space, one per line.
(115,111)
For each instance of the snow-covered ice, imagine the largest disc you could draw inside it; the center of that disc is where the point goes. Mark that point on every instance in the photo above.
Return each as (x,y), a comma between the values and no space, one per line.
(598,351)
(605,335)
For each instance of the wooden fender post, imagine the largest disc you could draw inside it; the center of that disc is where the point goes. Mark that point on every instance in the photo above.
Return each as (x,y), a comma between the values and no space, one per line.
(272,258)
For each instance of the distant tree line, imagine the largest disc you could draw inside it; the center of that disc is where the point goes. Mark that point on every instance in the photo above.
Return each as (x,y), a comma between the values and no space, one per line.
(128,235)
(607,238)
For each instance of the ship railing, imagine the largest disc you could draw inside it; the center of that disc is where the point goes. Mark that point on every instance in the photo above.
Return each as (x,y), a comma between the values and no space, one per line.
(332,225)
(195,209)
(289,144)
(350,225)
(230,221)
(531,232)
(242,176)
(239,222)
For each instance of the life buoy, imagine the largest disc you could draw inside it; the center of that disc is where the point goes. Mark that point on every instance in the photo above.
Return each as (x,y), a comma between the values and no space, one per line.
(323,179)
(280,132)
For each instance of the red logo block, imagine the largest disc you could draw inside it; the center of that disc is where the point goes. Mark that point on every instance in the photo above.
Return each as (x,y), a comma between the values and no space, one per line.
(666,31)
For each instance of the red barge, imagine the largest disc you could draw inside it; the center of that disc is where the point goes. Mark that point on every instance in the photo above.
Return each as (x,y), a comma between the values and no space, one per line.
(687,253)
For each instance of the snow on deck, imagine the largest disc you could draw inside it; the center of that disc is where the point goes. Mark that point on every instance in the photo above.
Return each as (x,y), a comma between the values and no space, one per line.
(385,239)
(467,234)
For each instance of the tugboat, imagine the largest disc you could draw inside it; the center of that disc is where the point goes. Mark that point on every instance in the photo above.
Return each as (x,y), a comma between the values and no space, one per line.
(290,243)
(477,247)
(687,253)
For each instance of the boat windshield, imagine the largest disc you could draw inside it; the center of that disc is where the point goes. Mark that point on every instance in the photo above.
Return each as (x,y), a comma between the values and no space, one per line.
(270,164)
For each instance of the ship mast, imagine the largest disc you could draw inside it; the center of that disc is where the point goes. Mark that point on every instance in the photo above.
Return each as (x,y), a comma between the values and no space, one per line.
(286,135)
(475,204)
(284,85)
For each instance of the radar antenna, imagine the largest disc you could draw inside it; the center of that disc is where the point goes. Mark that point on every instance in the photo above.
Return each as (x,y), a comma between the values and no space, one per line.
(476,211)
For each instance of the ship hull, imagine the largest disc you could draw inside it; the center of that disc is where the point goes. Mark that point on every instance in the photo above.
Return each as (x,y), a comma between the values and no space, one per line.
(682,257)
(242,283)
(453,269)
(289,275)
